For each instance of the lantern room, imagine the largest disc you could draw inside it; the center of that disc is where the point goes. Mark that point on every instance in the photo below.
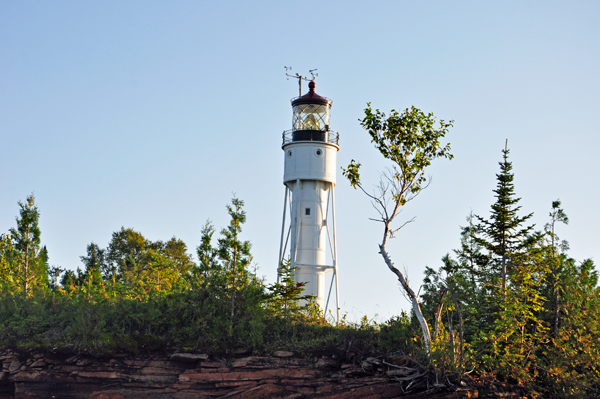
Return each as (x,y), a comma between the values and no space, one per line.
(311,117)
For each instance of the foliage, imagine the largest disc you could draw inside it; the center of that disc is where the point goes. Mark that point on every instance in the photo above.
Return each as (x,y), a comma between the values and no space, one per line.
(26,264)
(556,257)
(236,258)
(143,266)
(287,293)
(207,257)
(138,296)
(534,322)
(411,142)
(8,268)
(503,234)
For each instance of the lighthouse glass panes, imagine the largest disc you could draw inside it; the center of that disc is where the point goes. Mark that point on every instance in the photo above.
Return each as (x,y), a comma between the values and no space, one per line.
(311,117)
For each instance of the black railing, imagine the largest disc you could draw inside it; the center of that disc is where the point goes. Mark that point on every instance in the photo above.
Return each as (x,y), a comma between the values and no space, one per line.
(322,136)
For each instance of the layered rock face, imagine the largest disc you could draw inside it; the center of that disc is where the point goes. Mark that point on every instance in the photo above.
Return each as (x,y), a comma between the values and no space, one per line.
(184,375)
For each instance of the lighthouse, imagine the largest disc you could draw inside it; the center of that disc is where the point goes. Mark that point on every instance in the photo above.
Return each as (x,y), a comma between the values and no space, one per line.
(310,162)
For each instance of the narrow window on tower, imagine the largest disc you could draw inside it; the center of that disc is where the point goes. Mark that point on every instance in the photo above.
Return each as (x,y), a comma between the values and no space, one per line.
(307,212)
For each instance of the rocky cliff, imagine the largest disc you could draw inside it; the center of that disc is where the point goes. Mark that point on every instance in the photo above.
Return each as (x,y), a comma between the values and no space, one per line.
(185,375)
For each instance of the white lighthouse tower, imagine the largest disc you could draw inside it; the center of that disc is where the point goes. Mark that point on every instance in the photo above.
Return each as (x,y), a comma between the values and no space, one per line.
(310,152)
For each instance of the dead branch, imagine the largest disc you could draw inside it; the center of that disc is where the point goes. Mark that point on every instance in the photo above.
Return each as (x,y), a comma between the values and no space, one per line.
(460,321)
(438,314)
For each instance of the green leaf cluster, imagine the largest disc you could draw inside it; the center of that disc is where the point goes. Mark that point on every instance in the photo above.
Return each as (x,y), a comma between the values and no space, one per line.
(410,140)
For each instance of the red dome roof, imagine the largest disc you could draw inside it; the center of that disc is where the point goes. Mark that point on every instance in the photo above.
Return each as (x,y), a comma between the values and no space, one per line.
(311,97)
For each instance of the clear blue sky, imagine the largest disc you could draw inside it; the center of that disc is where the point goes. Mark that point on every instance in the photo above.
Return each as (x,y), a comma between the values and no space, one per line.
(149,114)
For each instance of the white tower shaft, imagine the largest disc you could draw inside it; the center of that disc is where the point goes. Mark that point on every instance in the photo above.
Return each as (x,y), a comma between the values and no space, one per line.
(309,228)
(309,176)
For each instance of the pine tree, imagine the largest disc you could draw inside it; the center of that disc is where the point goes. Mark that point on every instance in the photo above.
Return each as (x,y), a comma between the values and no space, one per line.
(235,254)
(504,234)
(26,238)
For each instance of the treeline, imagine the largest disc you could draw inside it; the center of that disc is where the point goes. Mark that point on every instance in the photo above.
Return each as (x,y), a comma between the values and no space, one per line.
(511,304)
(142,296)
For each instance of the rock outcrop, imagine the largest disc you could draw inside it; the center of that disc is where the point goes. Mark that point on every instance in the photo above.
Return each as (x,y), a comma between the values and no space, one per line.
(189,375)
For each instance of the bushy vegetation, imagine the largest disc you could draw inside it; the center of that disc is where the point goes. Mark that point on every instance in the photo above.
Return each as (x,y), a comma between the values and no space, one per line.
(142,297)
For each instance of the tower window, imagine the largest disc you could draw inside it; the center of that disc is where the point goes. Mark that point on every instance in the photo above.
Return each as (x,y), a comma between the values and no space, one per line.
(307,212)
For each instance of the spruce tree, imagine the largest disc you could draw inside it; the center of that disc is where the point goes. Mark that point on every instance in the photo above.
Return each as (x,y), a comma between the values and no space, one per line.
(510,301)
(503,233)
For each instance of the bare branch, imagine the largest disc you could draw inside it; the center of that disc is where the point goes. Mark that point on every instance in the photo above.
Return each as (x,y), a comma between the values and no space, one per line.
(404,224)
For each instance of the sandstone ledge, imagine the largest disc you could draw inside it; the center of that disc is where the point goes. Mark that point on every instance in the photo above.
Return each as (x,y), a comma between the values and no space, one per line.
(183,376)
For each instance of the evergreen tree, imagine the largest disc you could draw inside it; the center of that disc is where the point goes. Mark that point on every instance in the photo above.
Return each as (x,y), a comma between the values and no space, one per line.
(208,266)
(95,264)
(8,272)
(44,267)
(504,234)
(234,253)
(466,282)
(556,260)
(288,293)
(469,256)
(26,238)
(70,280)
(54,274)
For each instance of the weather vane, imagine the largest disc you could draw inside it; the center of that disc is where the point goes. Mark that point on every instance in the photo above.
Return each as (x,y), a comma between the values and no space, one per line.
(301,78)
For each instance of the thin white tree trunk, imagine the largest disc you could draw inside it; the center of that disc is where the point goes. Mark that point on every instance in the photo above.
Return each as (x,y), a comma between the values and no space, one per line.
(413,297)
